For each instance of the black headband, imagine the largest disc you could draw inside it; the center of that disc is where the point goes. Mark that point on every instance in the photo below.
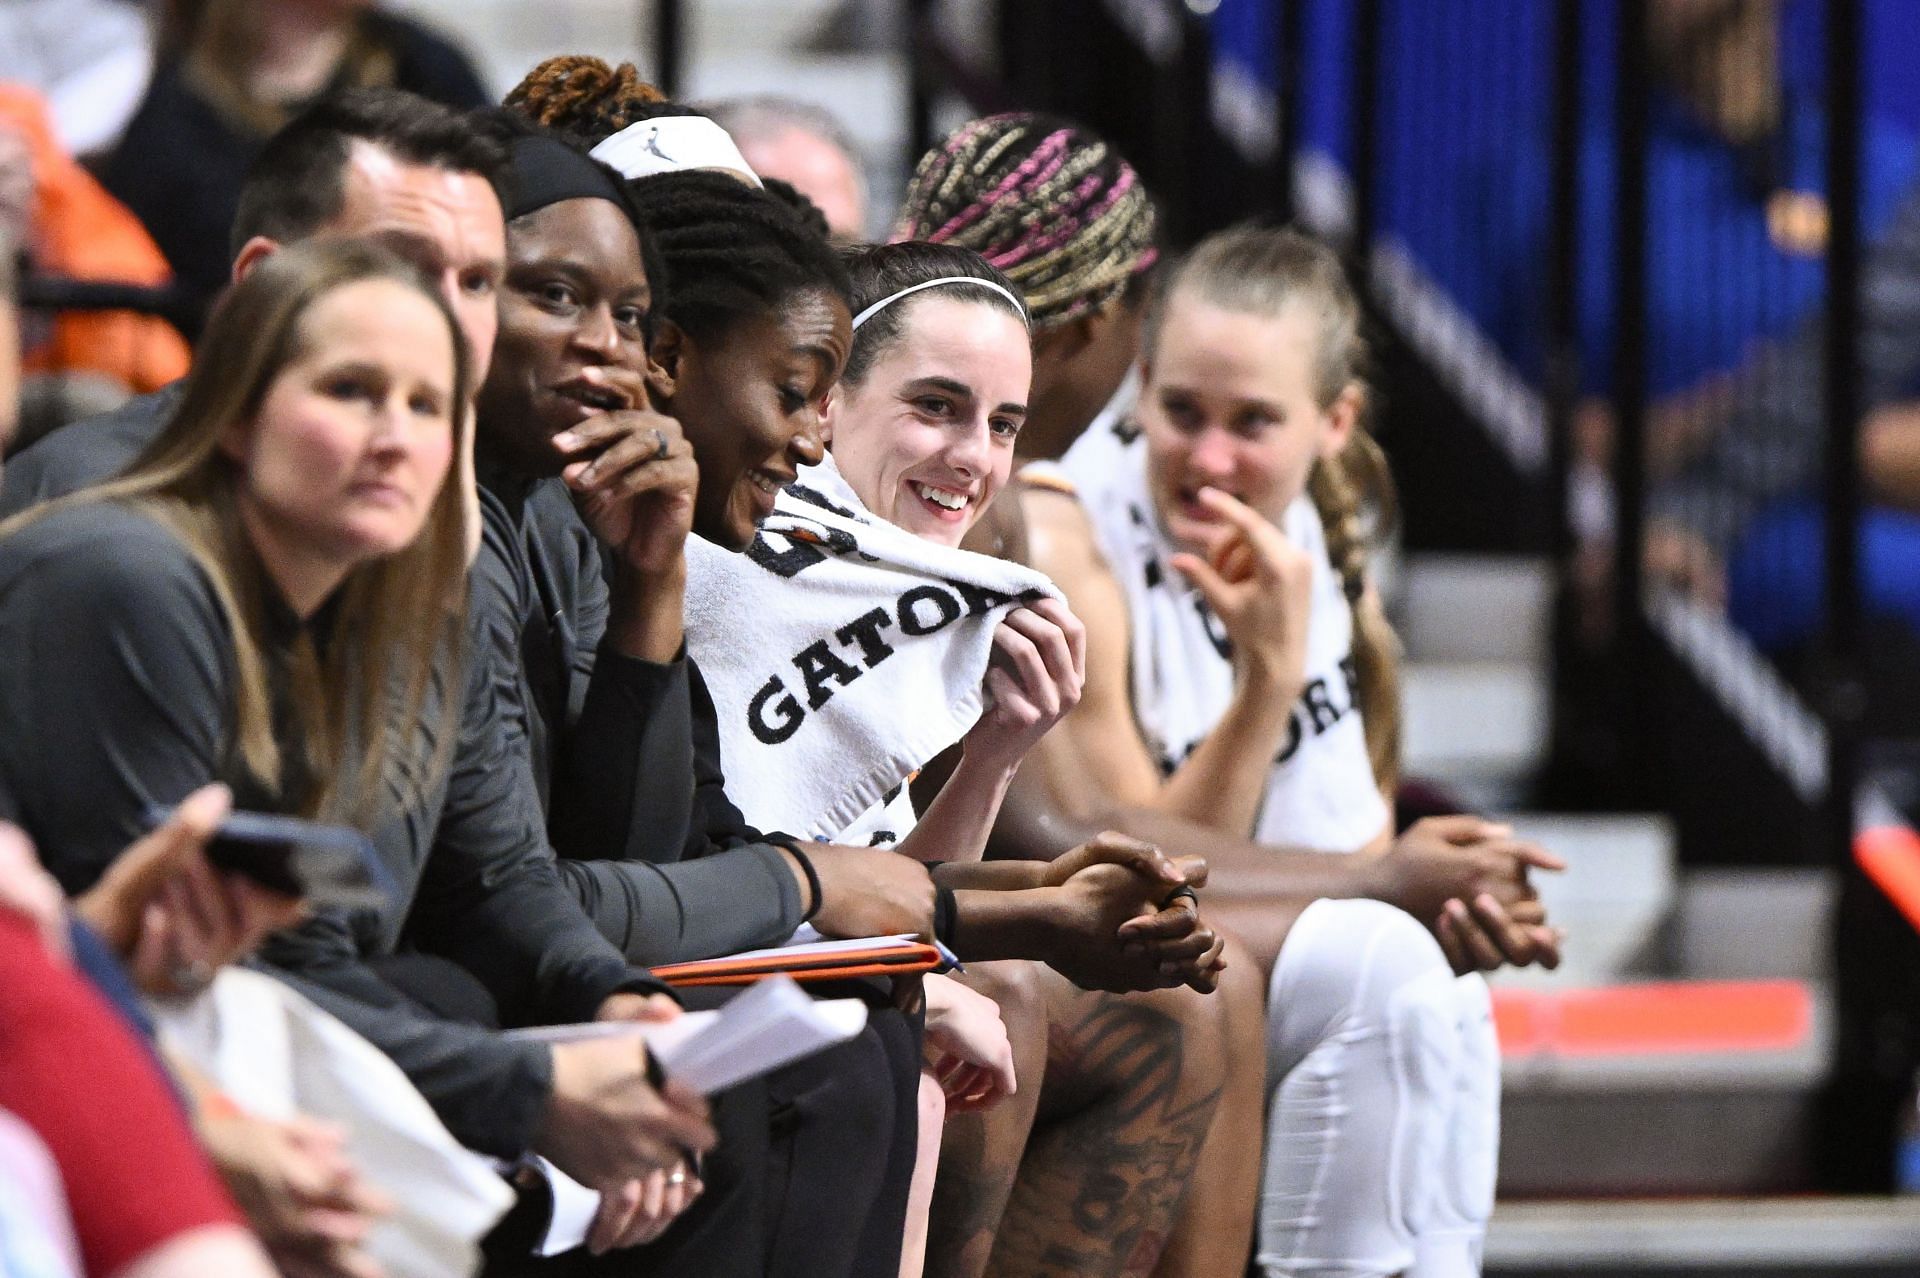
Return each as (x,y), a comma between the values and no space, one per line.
(547,171)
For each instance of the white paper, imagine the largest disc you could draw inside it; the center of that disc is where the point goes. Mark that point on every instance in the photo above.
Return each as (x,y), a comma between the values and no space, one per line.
(800,945)
(771,1024)
(655,1034)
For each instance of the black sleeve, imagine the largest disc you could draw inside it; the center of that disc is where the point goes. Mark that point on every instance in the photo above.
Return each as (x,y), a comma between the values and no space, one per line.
(490,898)
(490,1092)
(621,805)
(117,683)
(716,822)
(743,898)
(623,770)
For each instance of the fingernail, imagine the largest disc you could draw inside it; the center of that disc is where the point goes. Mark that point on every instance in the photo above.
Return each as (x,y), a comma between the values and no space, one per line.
(566,439)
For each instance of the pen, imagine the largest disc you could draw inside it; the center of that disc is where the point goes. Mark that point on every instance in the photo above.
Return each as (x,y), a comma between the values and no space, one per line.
(948,957)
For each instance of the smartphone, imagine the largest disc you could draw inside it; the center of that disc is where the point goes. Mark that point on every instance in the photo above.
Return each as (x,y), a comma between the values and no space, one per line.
(324,865)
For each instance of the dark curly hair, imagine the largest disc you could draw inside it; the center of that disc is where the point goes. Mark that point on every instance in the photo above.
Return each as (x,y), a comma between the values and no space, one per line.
(733,251)
(587,97)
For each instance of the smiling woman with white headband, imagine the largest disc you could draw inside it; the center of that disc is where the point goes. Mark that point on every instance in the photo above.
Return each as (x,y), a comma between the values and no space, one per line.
(922,428)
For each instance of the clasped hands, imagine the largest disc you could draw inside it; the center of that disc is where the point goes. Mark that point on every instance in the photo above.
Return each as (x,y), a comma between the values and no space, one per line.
(1129,918)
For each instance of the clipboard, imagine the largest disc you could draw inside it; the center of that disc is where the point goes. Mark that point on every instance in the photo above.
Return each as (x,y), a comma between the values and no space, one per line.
(902,955)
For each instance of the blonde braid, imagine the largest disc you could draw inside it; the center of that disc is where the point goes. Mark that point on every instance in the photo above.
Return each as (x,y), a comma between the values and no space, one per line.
(1344,489)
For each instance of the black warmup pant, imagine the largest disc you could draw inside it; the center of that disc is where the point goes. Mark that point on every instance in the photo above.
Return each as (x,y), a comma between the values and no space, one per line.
(845,1131)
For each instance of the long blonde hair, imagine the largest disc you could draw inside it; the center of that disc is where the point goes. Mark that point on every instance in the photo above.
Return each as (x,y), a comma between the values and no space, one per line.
(1262,270)
(399,621)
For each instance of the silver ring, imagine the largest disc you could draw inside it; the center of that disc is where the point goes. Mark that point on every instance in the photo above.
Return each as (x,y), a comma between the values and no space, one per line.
(679,1176)
(660,445)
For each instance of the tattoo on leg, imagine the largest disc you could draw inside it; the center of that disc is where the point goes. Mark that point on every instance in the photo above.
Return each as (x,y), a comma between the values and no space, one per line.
(1105,1172)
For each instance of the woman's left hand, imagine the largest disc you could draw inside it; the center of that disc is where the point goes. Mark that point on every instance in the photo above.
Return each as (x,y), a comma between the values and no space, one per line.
(640,1210)
(1038,670)
(633,475)
(967,1047)
(170,916)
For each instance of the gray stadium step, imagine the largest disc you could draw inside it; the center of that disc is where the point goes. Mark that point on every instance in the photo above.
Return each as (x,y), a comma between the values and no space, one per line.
(1666,1123)
(1458,607)
(1780,1238)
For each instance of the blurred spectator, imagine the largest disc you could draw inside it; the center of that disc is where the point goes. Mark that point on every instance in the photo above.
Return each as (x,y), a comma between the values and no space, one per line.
(230,73)
(135,1194)
(1739,520)
(803,145)
(1736,191)
(1736,248)
(90,59)
(65,225)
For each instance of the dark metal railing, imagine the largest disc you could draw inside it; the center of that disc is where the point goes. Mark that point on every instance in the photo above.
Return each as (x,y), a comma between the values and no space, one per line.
(1539,107)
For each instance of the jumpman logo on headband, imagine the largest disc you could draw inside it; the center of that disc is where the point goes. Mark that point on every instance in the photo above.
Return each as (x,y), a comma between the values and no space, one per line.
(653,145)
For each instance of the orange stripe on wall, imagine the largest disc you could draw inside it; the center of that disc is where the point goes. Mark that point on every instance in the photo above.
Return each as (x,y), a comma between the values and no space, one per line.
(1672,1017)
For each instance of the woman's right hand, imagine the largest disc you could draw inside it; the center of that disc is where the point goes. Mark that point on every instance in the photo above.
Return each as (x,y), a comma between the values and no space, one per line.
(1260,585)
(633,476)
(606,1125)
(299,1191)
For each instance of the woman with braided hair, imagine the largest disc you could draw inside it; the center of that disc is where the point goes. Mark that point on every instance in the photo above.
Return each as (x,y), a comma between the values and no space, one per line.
(1056,208)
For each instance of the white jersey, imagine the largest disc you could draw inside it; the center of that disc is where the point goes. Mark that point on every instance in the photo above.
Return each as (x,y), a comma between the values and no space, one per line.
(1321,792)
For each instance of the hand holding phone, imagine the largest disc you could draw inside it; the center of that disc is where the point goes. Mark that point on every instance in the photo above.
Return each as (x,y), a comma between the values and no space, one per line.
(170,916)
(323,865)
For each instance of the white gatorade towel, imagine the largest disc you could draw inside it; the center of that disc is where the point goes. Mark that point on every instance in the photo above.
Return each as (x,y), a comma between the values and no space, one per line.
(1321,791)
(842,654)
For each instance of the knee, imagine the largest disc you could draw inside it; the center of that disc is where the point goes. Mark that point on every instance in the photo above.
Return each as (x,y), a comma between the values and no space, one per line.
(1015,984)
(1362,949)
(1358,967)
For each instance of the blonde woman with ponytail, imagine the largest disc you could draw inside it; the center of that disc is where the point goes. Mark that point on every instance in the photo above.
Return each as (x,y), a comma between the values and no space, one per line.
(1241,675)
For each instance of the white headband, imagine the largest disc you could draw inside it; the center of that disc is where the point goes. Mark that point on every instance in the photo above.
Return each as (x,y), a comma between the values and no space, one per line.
(672,144)
(890,299)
